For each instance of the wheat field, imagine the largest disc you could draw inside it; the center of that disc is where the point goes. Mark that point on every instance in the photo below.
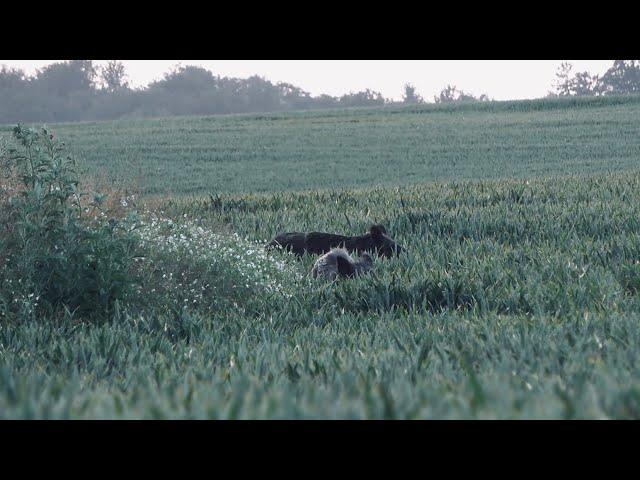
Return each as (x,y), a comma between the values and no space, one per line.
(518,296)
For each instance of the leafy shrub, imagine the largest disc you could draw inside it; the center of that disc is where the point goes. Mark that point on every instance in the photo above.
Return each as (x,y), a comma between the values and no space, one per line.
(55,257)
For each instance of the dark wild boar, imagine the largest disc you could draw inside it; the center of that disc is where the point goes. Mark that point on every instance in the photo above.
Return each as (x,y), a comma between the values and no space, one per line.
(375,240)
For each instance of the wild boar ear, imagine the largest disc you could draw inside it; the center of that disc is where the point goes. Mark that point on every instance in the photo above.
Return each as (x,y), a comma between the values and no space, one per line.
(377,231)
(345,268)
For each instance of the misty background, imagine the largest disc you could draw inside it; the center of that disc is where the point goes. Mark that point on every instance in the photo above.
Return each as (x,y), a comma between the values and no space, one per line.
(46,91)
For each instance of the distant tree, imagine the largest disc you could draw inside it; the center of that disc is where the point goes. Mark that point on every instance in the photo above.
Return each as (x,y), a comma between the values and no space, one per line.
(622,78)
(562,84)
(183,79)
(293,97)
(410,95)
(452,94)
(584,84)
(578,84)
(362,99)
(446,95)
(325,101)
(16,99)
(11,78)
(467,97)
(113,76)
(65,78)
(260,95)
(288,90)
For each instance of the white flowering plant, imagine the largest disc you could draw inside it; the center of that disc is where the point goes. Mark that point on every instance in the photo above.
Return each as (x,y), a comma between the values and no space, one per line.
(185,265)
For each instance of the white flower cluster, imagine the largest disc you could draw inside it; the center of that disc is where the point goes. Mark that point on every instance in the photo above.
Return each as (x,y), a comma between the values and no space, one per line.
(203,262)
(20,298)
(127,200)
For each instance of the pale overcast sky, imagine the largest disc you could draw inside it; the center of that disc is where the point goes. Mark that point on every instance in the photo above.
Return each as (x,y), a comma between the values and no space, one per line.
(500,79)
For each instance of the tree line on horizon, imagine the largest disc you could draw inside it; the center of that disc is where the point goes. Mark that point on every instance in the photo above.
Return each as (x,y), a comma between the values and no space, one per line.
(622,78)
(78,90)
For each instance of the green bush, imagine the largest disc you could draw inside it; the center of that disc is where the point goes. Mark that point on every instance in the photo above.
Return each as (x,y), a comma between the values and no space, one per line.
(56,257)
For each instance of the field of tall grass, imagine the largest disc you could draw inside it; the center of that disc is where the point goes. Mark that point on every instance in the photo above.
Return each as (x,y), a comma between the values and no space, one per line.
(518,296)
(393,146)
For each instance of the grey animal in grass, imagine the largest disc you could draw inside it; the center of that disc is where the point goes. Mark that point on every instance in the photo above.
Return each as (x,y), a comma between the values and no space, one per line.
(375,240)
(338,263)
